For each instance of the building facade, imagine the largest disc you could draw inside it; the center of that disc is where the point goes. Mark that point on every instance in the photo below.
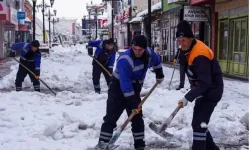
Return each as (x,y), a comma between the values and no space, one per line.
(232,33)
(8,26)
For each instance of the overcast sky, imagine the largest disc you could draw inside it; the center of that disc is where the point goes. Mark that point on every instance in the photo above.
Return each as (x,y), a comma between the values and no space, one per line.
(70,8)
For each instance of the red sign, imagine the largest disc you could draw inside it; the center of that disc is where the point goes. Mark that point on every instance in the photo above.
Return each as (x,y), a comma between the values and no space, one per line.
(192,2)
(73,28)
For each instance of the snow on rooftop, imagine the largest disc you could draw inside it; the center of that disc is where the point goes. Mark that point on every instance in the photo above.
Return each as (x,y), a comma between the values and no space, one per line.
(153,9)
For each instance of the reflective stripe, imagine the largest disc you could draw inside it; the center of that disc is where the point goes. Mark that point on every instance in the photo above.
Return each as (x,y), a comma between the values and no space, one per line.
(22,58)
(130,61)
(37,68)
(140,133)
(190,78)
(140,81)
(97,86)
(25,50)
(139,138)
(30,60)
(107,134)
(129,94)
(137,68)
(190,72)
(199,97)
(104,137)
(200,138)
(90,47)
(149,52)
(115,74)
(200,134)
(100,45)
(158,66)
(110,66)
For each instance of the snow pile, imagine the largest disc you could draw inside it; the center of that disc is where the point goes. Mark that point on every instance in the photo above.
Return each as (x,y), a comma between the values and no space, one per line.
(31,120)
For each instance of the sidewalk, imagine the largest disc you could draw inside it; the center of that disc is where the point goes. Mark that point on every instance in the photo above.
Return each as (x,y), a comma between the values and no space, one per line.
(5,65)
(225,76)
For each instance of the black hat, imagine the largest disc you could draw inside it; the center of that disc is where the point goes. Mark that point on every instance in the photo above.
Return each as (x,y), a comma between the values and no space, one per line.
(109,41)
(35,43)
(140,40)
(184,30)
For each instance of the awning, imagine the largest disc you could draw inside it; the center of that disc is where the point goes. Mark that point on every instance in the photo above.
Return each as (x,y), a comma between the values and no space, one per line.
(27,19)
(154,8)
(136,19)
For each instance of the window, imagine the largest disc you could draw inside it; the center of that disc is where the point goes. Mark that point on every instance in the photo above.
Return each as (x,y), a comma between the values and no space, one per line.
(223,38)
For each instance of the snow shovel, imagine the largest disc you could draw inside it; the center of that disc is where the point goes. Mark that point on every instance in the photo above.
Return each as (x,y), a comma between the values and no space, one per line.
(173,72)
(101,65)
(35,76)
(161,129)
(120,130)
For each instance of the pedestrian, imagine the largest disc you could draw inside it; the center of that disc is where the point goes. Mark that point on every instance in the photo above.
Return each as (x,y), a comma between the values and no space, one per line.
(104,54)
(205,76)
(30,56)
(125,87)
(180,56)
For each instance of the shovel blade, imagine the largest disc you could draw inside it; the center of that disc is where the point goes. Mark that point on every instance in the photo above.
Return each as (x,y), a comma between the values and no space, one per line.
(157,130)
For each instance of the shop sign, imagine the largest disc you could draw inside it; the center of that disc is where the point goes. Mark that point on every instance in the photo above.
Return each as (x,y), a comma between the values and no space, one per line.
(195,13)
(13,16)
(3,7)
(176,1)
(21,15)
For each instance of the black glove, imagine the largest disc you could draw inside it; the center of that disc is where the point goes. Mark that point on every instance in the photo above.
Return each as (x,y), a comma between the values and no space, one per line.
(132,102)
(90,50)
(37,72)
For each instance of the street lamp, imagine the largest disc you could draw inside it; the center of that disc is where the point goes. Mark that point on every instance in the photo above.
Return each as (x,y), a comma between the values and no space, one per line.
(54,21)
(34,19)
(43,6)
(49,17)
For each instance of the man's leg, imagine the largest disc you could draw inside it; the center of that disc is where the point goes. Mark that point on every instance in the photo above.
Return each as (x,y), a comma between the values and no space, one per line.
(20,76)
(96,74)
(138,129)
(36,83)
(115,107)
(202,112)
(182,77)
(107,77)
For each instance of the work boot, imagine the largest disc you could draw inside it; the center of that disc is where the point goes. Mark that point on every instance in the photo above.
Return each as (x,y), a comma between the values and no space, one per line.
(101,145)
(99,92)
(180,87)
(140,148)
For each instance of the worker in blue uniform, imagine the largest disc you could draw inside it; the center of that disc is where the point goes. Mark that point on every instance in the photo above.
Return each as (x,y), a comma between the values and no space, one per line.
(30,56)
(125,87)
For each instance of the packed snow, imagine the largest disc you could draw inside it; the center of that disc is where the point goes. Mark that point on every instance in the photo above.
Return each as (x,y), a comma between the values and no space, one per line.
(41,121)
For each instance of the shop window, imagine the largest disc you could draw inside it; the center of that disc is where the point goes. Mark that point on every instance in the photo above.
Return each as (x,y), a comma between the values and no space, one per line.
(223,38)
(237,37)
(243,35)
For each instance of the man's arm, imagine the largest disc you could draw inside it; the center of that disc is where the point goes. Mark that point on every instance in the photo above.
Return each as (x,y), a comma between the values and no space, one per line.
(202,67)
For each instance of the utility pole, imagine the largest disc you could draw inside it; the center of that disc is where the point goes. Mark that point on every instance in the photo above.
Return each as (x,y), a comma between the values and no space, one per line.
(112,18)
(149,23)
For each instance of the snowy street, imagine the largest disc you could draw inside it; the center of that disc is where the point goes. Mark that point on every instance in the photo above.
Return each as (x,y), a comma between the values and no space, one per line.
(42,121)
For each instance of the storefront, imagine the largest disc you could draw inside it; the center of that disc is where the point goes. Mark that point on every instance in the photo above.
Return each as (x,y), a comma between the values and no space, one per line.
(233,46)
(199,17)
(168,26)
(8,26)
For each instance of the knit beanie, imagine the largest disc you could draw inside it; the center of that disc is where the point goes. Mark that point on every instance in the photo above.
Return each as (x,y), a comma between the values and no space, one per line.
(184,30)
(35,43)
(140,40)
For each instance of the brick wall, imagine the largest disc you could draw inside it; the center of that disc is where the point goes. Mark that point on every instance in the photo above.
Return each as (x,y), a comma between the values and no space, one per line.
(221,5)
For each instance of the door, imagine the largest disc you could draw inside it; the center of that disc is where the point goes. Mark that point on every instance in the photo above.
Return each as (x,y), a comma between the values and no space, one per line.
(239,45)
